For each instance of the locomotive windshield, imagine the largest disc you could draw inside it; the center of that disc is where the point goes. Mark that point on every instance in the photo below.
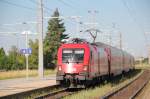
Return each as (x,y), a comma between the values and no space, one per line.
(72,56)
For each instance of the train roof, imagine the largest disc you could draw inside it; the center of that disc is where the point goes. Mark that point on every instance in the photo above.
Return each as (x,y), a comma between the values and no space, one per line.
(99,44)
(77,41)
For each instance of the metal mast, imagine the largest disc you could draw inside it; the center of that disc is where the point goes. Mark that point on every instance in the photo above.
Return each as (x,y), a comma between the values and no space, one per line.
(120,41)
(40,31)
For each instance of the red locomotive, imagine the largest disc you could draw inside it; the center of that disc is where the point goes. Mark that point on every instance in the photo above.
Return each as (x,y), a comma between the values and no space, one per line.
(81,63)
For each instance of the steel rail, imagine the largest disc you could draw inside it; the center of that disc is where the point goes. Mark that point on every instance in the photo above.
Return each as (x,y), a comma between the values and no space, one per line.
(139,90)
(51,94)
(112,93)
(57,94)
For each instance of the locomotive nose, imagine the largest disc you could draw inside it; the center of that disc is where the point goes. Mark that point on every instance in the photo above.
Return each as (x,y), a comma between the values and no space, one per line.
(70,68)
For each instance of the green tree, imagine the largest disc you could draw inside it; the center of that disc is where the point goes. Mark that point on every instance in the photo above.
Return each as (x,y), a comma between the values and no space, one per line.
(145,60)
(15,59)
(33,58)
(54,36)
(3,59)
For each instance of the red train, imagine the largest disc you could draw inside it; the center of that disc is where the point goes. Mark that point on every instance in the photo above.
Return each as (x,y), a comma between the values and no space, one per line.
(81,63)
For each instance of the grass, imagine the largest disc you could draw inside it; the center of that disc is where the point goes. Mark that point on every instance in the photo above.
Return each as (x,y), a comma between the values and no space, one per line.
(105,87)
(22,73)
(142,66)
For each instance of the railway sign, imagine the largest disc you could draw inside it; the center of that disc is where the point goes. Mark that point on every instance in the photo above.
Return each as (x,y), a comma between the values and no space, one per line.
(26,51)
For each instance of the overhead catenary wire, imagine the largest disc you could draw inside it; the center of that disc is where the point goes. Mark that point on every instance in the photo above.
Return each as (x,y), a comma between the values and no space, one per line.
(76,6)
(68,5)
(20,6)
(46,8)
(140,26)
(134,19)
(16,5)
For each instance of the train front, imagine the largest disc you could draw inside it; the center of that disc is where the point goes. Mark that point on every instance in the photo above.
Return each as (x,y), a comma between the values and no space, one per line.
(72,65)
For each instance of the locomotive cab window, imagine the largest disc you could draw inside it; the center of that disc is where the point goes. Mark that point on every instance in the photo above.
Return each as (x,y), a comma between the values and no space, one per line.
(72,55)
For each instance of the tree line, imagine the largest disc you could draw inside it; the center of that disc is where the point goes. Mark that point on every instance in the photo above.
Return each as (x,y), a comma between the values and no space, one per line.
(54,36)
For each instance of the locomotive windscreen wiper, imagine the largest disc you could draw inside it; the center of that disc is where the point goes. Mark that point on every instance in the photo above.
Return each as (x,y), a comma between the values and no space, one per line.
(67,61)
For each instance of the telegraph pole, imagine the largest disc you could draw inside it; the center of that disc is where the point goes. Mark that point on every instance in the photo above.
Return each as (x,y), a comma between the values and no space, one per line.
(149,54)
(27,55)
(120,40)
(92,18)
(40,31)
(110,34)
(110,39)
(93,31)
(77,22)
(147,34)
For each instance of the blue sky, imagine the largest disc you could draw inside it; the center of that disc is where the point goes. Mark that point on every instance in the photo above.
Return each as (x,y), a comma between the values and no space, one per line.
(132,19)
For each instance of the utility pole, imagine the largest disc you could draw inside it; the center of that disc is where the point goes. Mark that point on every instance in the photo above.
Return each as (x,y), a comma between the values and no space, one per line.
(93,31)
(110,33)
(26,33)
(141,61)
(110,39)
(120,40)
(147,34)
(27,55)
(149,54)
(77,19)
(92,17)
(40,31)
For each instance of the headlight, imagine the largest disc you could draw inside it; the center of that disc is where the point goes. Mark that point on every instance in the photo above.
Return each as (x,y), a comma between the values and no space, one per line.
(85,68)
(59,68)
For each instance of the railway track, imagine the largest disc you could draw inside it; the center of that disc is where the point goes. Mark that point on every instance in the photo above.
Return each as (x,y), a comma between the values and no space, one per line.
(127,92)
(130,90)
(59,94)
(66,92)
